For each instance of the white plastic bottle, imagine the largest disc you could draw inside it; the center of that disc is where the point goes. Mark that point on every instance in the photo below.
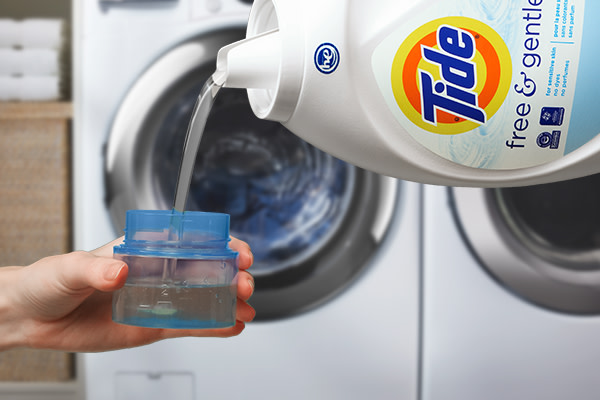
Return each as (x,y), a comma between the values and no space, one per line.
(453,92)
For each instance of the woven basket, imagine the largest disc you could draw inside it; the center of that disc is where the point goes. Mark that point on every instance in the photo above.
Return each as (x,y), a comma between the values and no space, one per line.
(35,217)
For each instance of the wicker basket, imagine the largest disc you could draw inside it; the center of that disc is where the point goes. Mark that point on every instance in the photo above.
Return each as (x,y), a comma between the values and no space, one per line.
(35,213)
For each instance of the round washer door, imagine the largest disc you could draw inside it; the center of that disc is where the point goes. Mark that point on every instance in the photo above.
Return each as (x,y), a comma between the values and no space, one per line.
(313,221)
(542,242)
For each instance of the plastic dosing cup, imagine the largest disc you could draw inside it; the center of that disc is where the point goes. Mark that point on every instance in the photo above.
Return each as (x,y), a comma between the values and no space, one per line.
(182,273)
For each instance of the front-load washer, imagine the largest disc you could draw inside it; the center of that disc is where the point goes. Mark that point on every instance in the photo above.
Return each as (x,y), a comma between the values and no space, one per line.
(511,292)
(336,247)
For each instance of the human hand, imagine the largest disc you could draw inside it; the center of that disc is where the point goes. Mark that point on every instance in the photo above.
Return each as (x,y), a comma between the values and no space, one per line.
(65,303)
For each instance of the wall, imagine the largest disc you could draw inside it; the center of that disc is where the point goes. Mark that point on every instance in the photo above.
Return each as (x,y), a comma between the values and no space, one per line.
(19,9)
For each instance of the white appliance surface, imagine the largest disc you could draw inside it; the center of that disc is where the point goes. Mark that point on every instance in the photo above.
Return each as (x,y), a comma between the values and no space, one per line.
(481,341)
(362,344)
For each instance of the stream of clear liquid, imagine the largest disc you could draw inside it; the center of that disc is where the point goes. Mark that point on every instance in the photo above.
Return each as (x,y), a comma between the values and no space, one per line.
(192,141)
(193,137)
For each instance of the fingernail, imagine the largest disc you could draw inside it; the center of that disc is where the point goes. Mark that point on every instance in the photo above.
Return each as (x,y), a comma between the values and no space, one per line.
(251,283)
(112,272)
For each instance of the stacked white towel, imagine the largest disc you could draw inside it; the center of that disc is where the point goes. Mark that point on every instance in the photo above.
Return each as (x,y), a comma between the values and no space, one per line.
(29,62)
(30,59)
(29,88)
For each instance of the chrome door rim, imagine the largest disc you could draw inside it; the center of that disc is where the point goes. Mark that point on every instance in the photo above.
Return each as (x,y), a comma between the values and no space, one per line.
(516,267)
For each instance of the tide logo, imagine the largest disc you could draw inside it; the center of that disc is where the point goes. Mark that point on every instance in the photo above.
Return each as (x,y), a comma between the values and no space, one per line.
(451,75)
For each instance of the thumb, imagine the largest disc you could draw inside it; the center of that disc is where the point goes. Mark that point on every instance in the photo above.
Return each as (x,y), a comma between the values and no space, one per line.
(81,270)
(54,286)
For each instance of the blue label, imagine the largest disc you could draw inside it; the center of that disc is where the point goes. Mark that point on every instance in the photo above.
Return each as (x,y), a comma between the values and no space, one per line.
(327,58)
(552,116)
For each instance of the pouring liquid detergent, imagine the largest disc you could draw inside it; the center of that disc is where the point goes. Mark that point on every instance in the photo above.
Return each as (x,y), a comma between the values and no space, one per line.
(182,273)
(453,92)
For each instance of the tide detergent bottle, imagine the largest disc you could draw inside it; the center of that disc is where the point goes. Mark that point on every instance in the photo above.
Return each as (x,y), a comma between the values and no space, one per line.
(453,92)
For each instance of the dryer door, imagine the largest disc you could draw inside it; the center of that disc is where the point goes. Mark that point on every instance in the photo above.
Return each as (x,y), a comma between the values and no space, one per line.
(313,221)
(542,242)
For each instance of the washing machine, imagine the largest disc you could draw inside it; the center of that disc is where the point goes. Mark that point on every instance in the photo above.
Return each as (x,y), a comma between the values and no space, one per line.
(511,292)
(337,248)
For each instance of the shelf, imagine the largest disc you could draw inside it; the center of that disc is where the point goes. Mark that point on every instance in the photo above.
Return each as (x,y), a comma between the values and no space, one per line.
(35,110)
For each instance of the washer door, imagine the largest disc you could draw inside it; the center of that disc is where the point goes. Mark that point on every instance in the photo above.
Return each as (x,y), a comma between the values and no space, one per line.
(542,242)
(312,221)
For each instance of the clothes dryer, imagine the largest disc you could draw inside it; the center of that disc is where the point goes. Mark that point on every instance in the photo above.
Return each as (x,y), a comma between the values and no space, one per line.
(336,248)
(511,292)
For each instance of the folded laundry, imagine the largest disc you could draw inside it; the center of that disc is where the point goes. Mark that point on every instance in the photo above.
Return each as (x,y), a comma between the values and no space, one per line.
(9,32)
(32,33)
(23,62)
(29,88)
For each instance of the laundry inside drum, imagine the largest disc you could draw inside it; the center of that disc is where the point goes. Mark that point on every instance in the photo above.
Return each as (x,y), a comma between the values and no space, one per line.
(286,198)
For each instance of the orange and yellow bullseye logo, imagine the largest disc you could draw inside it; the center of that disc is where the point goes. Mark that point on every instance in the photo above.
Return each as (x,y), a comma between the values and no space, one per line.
(451,75)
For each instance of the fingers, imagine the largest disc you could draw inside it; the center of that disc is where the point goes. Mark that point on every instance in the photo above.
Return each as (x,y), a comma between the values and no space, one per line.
(245,287)
(175,333)
(245,257)
(244,312)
